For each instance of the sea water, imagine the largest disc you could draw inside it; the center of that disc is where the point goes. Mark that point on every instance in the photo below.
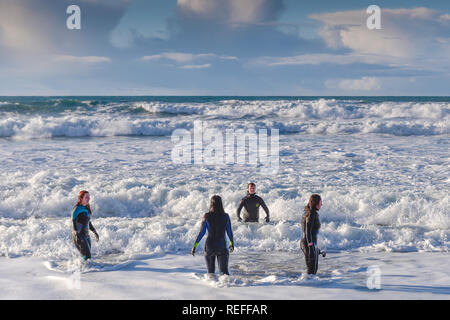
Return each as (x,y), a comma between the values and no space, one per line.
(380,164)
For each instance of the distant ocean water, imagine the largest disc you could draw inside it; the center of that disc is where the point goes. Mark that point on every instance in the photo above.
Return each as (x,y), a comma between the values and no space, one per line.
(46,117)
(381,165)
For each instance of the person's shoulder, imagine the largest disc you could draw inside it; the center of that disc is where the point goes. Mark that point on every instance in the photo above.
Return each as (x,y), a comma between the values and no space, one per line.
(81,209)
(226,217)
(206,215)
(77,210)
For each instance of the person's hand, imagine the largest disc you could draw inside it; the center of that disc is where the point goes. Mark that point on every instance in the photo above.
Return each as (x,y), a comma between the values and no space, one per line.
(96,236)
(231,247)
(267,219)
(193,251)
(74,234)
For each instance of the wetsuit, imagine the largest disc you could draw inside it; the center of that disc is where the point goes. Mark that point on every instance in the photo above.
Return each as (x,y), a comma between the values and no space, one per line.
(310,227)
(251,204)
(215,245)
(80,233)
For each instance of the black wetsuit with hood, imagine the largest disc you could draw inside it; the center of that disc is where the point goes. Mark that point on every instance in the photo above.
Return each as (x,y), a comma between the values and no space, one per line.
(310,228)
(251,204)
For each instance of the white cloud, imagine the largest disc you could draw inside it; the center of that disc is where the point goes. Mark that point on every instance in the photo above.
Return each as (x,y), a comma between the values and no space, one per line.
(85,59)
(363,84)
(177,56)
(181,57)
(405,33)
(321,58)
(20,29)
(233,11)
(31,28)
(415,39)
(196,66)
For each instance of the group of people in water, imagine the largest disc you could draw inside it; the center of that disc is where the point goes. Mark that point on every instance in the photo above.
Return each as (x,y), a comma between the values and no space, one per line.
(216,222)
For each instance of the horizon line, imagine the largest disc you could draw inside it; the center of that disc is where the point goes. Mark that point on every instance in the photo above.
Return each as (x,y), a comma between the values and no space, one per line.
(306,96)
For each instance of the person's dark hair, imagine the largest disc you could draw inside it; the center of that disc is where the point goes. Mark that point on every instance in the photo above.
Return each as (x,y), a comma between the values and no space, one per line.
(312,203)
(251,184)
(216,205)
(80,200)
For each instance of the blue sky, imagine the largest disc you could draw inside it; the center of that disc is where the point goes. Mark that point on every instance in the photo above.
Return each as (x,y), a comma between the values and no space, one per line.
(224,47)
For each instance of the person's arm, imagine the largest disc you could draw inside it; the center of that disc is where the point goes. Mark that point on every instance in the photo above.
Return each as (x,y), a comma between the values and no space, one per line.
(263,204)
(91,227)
(238,211)
(74,222)
(308,235)
(77,224)
(202,232)
(230,235)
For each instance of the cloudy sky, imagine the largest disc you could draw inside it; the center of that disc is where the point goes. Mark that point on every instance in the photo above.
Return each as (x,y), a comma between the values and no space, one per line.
(224,47)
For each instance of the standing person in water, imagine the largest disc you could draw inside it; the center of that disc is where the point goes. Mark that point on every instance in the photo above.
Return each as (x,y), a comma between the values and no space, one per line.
(251,203)
(216,222)
(81,216)
(310,228)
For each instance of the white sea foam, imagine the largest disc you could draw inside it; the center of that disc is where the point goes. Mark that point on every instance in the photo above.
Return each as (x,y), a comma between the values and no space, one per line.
(303,109)
(381,168)
(376,197)
(105,126)
(87,126)
(406,225)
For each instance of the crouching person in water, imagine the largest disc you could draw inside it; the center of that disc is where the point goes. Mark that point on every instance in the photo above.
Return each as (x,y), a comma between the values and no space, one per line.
(310,227)
(216,222)
(81,216)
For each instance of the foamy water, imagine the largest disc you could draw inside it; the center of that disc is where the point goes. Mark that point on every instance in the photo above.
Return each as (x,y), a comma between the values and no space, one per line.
(382,168)
(86,118)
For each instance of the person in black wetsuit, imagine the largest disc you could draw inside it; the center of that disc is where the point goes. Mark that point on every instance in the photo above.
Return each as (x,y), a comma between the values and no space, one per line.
(310,228)
(216,222)
(81,220)
(251,203)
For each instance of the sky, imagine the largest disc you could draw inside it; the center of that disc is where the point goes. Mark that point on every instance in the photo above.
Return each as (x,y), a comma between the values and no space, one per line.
(225,47)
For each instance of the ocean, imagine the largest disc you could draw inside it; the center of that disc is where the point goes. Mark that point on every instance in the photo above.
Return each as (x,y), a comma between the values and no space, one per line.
(381,165)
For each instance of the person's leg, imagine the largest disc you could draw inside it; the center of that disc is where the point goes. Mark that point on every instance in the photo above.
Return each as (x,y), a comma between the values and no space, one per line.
(76,241)
(223,263)
(312,256)
(316,260)
(306,252)
(210,263)
(88,243)
(85,247)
